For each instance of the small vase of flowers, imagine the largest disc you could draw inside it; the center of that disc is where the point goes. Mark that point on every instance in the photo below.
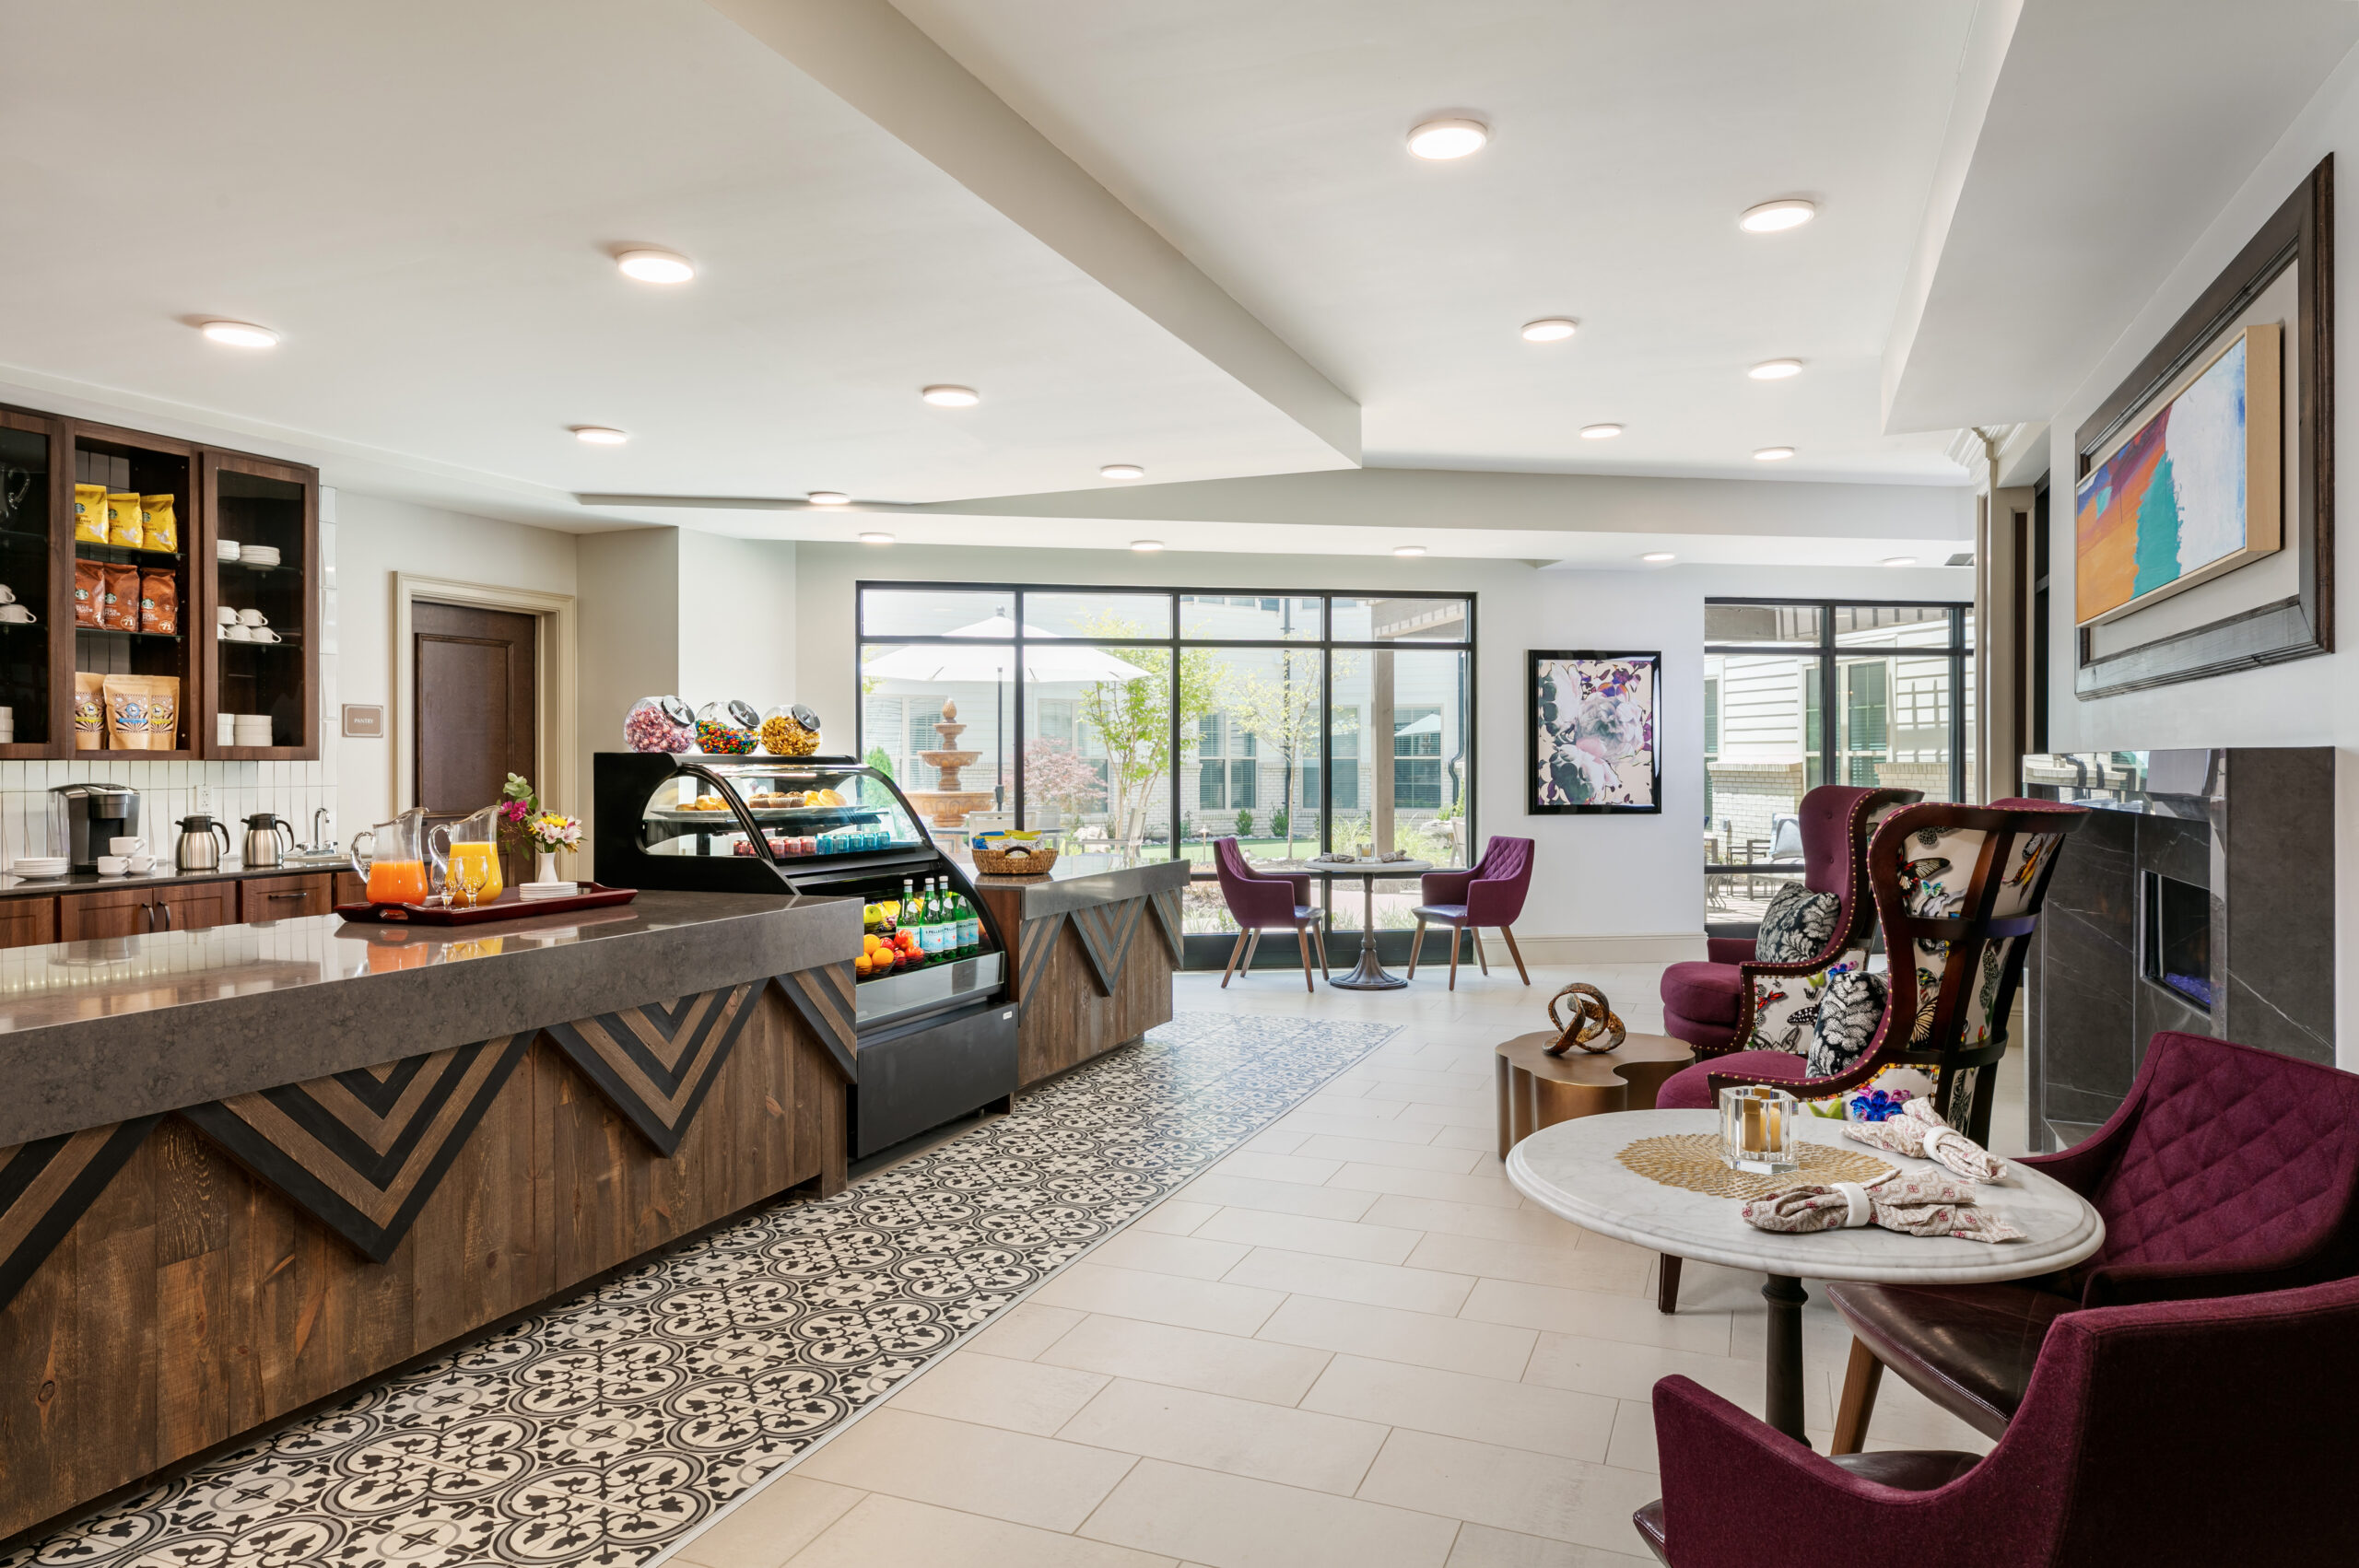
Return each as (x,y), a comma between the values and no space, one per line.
(549,833)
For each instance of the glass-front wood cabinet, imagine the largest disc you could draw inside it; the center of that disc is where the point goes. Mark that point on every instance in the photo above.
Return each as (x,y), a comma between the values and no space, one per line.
(262,522)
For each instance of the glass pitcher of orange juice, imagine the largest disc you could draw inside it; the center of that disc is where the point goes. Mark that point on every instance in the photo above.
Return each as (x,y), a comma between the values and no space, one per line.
(467,854)
(391,855)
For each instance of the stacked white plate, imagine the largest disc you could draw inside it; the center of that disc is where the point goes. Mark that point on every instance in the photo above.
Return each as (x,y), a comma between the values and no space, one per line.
(226,548)
(225,729)
(260,555)
(8,726)
(40,865)
(250,730)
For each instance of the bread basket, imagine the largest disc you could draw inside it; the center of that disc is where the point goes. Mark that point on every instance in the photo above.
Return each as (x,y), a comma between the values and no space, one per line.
(997,863)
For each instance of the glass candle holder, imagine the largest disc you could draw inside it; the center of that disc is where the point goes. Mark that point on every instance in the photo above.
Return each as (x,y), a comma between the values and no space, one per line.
(1757,1130)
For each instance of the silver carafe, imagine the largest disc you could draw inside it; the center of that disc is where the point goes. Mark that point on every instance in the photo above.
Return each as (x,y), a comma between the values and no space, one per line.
(201,845)
(263,847)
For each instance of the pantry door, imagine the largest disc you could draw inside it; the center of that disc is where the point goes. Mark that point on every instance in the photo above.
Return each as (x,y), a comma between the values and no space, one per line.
(477,693)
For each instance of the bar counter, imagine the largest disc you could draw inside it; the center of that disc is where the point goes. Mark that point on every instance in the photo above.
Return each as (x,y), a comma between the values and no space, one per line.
(243,1169)
(1093,947)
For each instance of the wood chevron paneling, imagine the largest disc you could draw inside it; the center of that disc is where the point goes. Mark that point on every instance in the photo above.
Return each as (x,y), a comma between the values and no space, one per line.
(654,1062)
(361,1151)
(1106,931)
(824,999)
(1037,941)
(1094,980)
(46,1185)
(1170,919)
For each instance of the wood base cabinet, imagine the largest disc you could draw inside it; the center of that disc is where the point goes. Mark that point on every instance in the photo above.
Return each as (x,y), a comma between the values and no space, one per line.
(285,898)
(136,911)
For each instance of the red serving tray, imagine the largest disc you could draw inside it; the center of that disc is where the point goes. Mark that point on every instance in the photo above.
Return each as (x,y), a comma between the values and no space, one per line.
(507,907)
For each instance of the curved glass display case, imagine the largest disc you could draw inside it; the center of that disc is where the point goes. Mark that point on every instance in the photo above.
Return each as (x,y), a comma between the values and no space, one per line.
(780,810)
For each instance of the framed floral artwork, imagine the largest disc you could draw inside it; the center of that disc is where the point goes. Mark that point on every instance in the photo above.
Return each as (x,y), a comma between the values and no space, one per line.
(1595,722)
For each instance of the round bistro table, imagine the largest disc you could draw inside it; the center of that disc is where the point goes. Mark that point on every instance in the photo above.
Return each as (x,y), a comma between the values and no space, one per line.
(1572,1170)
(1369,975)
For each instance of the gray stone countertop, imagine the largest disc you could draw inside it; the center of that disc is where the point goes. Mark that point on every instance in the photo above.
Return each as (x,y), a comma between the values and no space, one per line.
(97,1032)
(1076,882)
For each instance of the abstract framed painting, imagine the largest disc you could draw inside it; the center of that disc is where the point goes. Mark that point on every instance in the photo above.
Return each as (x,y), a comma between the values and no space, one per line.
(2192,491)
(1594,742)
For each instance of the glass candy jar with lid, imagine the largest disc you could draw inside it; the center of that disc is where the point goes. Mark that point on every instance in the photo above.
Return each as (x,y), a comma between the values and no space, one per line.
(791,731)
(659,724)
(726,729)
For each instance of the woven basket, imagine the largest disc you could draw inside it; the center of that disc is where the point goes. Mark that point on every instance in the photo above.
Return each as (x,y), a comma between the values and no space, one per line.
(992,863)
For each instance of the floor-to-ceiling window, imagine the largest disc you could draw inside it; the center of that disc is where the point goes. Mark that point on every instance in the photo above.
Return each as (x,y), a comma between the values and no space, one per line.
(1154,722)
(1798,694)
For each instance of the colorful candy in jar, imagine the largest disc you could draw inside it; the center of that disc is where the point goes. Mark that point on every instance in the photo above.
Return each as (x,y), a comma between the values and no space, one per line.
(659,725)
(726,729)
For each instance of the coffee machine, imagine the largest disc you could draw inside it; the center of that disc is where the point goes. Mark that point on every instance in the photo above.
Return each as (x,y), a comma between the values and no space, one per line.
(83,817)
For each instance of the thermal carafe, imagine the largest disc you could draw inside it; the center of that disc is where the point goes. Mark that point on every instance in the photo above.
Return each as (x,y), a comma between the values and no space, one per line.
(82,817)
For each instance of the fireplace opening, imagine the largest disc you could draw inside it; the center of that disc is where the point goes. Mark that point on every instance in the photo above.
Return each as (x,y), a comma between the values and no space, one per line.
(2179,937)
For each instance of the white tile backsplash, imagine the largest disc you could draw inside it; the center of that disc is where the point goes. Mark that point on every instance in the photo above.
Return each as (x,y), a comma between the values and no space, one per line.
(167,791)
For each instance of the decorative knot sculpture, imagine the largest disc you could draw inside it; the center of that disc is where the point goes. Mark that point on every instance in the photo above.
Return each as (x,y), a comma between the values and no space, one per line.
(1593,1028)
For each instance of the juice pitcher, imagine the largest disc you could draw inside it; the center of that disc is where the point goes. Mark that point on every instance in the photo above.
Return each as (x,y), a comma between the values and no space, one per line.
(391,855)
(467,854)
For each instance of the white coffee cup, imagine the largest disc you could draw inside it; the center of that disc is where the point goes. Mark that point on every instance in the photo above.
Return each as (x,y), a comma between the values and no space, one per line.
(251,618)
(126,848)
(239,633)
(17,613)
(225,615)
(112,865)
(7,594)
(142,864)
(264,634)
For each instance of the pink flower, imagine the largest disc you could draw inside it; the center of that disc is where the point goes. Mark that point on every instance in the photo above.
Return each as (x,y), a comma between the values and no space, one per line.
(513,811)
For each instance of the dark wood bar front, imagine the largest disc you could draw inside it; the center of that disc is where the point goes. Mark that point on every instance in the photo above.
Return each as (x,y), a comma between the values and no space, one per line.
(218,1233)
(1093,944)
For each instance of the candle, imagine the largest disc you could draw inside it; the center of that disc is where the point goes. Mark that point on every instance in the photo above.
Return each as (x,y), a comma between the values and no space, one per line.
(1753,1143)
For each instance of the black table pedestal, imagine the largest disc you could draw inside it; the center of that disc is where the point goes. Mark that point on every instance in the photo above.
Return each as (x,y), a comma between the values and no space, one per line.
(1785,1295)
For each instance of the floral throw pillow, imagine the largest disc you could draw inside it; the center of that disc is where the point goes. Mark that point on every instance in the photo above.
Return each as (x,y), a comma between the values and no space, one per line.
(1798,925)
(1848,1015)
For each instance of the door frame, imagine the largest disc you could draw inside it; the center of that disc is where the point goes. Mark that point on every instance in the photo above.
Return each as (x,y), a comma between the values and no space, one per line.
(553,684)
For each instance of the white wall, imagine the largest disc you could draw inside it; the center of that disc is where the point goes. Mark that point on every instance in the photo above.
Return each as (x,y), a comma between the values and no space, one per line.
(736,620)
(1636,882)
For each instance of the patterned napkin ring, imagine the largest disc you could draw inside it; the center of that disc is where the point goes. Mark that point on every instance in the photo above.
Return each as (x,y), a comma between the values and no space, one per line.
(1858,1211)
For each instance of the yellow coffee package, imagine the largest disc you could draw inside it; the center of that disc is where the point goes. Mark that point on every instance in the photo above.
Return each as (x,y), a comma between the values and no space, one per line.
(159,523)
(143,712)
(89,710)
(123,526)
(90,513)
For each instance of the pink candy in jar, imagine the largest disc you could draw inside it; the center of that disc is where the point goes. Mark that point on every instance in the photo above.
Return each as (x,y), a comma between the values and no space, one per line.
(659,725)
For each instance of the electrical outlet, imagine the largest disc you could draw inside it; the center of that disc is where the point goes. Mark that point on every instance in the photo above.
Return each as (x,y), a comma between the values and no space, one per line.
(205,799)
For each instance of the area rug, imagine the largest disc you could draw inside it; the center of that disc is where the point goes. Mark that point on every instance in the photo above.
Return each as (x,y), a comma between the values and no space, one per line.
(610,1428)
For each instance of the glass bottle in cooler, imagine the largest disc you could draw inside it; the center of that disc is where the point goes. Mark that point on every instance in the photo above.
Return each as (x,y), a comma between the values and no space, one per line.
(970,926)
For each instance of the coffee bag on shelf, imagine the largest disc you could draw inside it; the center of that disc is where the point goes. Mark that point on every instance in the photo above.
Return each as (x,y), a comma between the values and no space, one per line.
(159,523)
(143,712)
(89,590)
(123,526)
(90,513)
(159,602)
(89,710)
(119,606)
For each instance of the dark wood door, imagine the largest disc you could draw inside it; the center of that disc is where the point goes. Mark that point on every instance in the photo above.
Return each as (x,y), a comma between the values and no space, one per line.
(124,911)
(475,698)
(27,922)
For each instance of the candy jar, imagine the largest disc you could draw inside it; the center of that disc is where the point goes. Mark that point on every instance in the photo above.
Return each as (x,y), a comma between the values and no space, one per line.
(726,729)
(659,725)
(791,731)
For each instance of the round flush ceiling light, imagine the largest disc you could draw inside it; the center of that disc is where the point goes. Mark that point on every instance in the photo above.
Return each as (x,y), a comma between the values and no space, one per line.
(1146,546)
(1773,455)
(598,435)
(241,335)
(1407,552)
(1449,138)
(951,397)
(829,498)
(1775,217)
(1550,329)
(1659,557)
(876,539)
(1122,471)
(1900,560)
(1776,369)
(649,265)
(1600,432)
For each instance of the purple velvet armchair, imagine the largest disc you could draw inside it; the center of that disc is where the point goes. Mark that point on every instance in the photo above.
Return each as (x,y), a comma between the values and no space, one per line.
(2226,1170)
(2168,1434)
(1257,901)
(1490,895)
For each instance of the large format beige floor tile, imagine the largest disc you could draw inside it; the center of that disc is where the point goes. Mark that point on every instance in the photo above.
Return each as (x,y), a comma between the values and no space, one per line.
(982,1470)
(1228,1521)
(1633,1447)
(1277,1168)
(1175,1216)
(1563,1263)
(1483,1117)
(1160,1298)
(1348,1278)
(1480,1546)
(1024,1330)
(1351,1128)
(1023,1395)
(1531,1227)
(1243,1438)
(892,1532)
(1483,1189)
(1509,1489)
(1191,1358)
(772,1525)
(1159,1254)
(1307,1232)
(1281,1197)
(1457,1344)
(1424,1155)
(1630,1372)
(1521,1415)
(1597,1315)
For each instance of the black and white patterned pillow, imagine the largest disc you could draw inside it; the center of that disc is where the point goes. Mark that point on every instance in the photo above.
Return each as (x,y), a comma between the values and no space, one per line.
(1849,1011)
(1797,925)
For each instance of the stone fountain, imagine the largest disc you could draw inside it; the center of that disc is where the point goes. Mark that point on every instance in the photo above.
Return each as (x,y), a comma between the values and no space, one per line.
(947,805)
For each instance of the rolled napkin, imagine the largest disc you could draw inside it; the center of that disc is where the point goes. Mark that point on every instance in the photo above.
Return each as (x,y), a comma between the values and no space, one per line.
(1918,1130)
(1922,1204)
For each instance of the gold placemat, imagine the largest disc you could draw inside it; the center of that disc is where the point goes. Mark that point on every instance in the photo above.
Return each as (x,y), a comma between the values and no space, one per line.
(1692,1160)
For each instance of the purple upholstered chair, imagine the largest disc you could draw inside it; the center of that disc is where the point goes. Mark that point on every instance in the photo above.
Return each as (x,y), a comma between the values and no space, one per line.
(1707,1002)
(1490,895)
(2168,1434)
(1256,901)
(2226,1170)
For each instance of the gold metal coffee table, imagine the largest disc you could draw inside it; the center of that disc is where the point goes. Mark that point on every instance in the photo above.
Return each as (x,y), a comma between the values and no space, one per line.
(1537,1090)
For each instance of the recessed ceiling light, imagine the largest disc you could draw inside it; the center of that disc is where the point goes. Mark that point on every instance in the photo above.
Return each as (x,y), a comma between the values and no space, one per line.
(1660,557)
(876,539)
(1900,560)
(951,397)
(649,265)
(1406,551)
(241,335)
(1773,455)
(1449,138)
(828,497)
(598,435)
(1550,329)
(1776,369)
(1771,218)
(1146,546)
(1600,432)
(1122,471)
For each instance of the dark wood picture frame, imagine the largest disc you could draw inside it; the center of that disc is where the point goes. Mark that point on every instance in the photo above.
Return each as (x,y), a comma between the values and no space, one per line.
(1533,804)
(2300,235)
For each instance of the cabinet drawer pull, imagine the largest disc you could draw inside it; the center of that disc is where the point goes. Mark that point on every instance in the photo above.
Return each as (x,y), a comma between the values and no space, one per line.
(167,910)
(285,895)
